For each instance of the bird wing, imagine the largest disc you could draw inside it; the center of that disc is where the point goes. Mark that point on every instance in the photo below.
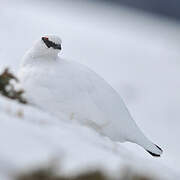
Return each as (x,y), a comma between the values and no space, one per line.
(114,115)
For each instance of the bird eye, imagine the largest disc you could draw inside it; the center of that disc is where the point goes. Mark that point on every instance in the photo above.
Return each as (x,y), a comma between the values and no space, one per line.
(45,38)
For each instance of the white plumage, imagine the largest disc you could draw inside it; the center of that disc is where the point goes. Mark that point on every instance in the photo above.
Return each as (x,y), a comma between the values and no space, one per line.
(60,86)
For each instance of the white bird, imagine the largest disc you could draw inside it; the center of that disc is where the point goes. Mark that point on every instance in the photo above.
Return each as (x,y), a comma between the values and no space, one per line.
(60,86)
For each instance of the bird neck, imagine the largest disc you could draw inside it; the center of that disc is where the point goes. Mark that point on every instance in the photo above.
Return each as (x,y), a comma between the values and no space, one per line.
(37,57)
(43,53)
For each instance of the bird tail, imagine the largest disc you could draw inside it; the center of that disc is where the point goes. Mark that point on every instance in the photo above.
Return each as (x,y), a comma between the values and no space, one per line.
(150,147)
(154,150)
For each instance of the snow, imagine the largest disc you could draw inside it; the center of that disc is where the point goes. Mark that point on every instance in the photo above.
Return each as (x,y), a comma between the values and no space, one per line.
(36,138)
(138,54)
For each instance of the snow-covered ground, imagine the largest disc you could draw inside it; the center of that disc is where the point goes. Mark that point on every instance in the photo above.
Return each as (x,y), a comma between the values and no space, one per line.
(137,54)
(31,138)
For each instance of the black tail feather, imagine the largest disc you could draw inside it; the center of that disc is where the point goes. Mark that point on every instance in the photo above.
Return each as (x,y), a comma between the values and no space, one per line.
(158,147)
(153,154)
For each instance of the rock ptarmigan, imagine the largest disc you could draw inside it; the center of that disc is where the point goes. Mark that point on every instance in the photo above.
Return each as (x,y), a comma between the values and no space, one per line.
(60,86)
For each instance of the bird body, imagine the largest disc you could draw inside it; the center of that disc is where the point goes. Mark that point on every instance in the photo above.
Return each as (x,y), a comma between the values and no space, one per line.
(61,86)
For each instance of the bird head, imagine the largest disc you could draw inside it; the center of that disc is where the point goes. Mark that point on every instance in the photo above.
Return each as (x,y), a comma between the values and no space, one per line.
(49,45)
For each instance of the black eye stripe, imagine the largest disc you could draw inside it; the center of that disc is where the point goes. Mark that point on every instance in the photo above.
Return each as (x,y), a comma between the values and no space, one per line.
(49,43)
(52,43)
